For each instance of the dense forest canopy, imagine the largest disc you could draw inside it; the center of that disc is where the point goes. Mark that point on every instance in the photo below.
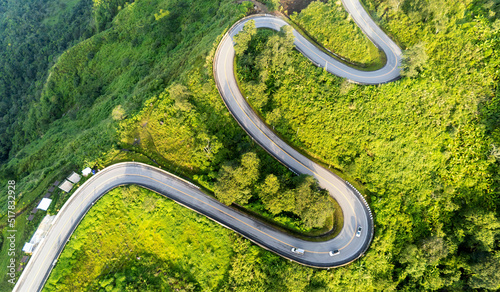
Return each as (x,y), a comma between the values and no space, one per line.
(33,34)
(133,81)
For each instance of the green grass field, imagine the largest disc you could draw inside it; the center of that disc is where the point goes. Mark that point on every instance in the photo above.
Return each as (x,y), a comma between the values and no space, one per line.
(136,239)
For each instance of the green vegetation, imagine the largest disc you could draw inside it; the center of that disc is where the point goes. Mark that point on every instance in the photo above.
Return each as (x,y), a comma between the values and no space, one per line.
(71,123)
(272,5)
(299,196)
(425,147)
(244,36)
(312,205)
(105,10)
(32,36)
(157,245)
(332,26)
(234,183)
(136,240)
(140,89)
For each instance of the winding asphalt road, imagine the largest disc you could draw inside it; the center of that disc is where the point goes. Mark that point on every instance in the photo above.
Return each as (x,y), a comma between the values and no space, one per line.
(355,209)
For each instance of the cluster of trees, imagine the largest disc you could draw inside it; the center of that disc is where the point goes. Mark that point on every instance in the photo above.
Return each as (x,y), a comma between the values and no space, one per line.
(235,183)
(254,55)
(300,195)
(272,5)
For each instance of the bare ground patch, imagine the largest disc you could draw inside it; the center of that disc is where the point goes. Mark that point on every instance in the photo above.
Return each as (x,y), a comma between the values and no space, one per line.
(291,6)
(257,6)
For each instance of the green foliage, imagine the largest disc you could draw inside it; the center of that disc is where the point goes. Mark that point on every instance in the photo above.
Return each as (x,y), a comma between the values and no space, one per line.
(161,248)
(118,113)
(482,228)
(234,183)
(305,200)
(72,125)
(139,91)
(311,205)
(486,273)
(275,56)
(414,60)
(105,10)
(300,195)
(244,36)
(272,5)
(274,201)
(424,147)
(32,36)
(73,121)
(333,28)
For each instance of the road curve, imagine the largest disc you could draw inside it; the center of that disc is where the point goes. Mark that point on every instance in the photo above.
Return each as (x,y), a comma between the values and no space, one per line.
(355,209)
(185,193)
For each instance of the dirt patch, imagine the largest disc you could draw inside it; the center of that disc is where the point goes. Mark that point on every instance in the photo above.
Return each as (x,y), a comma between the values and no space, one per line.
(291,6)
(257,6)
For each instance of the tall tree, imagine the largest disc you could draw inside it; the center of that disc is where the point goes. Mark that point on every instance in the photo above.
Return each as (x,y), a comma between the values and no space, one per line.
(235,183)
(486,273)
(243,37)
(414,60)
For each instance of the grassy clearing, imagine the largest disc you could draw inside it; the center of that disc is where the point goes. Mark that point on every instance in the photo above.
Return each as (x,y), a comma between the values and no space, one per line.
(136,239)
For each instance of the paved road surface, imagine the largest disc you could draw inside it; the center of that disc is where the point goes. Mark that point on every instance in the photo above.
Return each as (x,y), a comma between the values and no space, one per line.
(355,210)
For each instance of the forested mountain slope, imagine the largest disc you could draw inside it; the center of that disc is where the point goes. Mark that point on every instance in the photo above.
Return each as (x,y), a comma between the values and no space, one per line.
(74,120)
(33,34)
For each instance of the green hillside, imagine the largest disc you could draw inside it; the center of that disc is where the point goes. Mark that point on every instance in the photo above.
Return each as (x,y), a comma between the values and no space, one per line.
(112,81)
(32,36)
(75,119)
(424,147)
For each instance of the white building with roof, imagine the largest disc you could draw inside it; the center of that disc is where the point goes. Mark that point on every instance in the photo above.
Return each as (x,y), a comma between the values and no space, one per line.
(74,177)
(66,186)
(86,171)
(44,204)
